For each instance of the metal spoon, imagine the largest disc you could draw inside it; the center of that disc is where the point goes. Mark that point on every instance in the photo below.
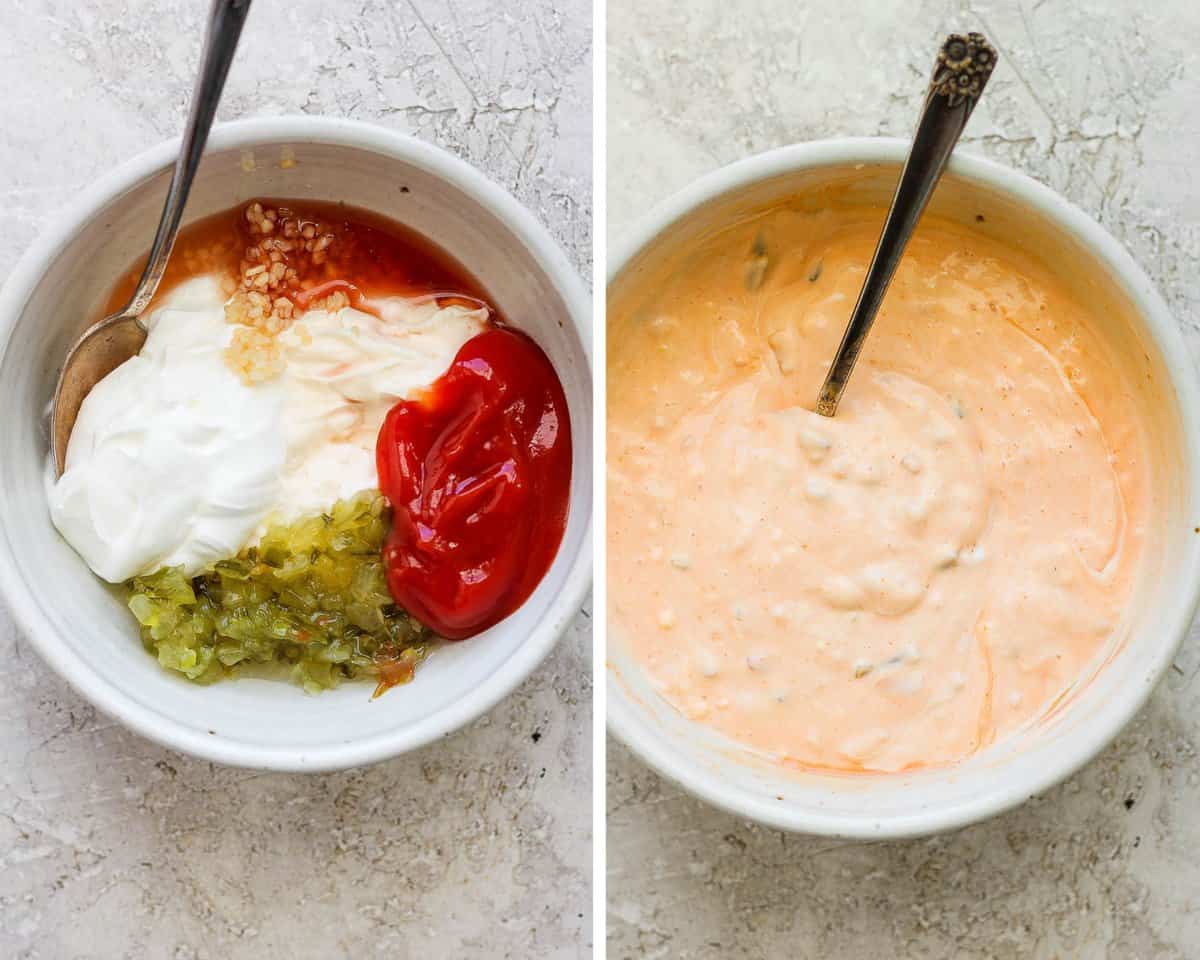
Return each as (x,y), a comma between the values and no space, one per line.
(108,343)
(960,72)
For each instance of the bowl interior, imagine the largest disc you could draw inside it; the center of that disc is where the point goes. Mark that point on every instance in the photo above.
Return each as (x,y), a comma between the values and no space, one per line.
(1132,321)
(90,635)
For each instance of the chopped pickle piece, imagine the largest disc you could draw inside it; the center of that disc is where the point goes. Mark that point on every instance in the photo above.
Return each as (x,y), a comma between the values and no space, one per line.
(311,596)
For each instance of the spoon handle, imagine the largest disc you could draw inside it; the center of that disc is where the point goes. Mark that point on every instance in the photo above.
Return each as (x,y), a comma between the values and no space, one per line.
(225,22)
(962,68)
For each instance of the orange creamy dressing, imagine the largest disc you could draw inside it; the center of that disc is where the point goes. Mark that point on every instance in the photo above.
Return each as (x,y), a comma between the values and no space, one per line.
(906,583)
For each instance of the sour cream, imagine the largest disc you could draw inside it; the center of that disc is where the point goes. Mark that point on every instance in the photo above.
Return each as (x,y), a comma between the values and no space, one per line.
(174,461)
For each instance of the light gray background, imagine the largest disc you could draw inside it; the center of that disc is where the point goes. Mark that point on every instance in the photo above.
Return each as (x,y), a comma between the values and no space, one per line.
(479,846)
(1101,100)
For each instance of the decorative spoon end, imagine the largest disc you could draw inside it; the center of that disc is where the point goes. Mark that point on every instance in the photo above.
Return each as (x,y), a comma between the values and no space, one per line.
(962,68)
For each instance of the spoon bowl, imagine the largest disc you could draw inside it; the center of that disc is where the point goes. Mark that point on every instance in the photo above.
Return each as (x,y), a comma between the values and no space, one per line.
(102,348)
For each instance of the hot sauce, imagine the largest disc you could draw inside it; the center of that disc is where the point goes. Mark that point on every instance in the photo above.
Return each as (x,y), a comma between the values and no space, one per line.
(367,252)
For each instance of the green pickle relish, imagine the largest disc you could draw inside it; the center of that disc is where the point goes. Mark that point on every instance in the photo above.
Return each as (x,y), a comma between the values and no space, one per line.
(311,596)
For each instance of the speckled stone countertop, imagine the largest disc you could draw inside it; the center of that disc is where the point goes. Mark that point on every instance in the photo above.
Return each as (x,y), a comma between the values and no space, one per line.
(1098,100)
(479,846)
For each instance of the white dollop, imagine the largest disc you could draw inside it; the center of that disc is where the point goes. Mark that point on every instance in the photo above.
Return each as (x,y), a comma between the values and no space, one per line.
(175,461)
(344,371)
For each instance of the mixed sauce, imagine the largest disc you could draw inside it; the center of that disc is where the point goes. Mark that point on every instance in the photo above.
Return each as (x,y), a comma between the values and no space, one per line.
(238,477)
(904,584)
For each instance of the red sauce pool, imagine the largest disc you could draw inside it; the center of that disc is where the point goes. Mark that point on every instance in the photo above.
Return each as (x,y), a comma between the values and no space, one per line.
(478,472)
(372,253)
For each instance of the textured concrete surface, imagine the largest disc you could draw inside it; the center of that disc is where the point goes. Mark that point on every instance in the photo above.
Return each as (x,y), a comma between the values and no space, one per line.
(480,846)
(1098,100)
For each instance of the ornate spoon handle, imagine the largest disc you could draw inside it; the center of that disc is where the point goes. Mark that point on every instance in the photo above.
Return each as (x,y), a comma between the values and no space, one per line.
(962,69)
(225,21)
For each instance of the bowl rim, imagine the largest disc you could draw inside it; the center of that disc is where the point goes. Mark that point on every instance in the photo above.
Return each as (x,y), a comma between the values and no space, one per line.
(116,702)
(1177,615)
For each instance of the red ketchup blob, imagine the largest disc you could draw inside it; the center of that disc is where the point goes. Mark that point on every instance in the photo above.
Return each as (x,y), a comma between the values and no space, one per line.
(478,472)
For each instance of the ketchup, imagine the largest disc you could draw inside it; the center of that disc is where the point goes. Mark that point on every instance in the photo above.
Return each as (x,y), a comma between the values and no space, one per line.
(478,471)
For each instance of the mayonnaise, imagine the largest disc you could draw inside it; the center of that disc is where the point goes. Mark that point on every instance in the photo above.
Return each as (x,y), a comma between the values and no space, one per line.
(174,461)
(344,371)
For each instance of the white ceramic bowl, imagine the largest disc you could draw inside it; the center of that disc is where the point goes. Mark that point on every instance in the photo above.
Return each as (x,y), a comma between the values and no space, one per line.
(896,805)
(83,629)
